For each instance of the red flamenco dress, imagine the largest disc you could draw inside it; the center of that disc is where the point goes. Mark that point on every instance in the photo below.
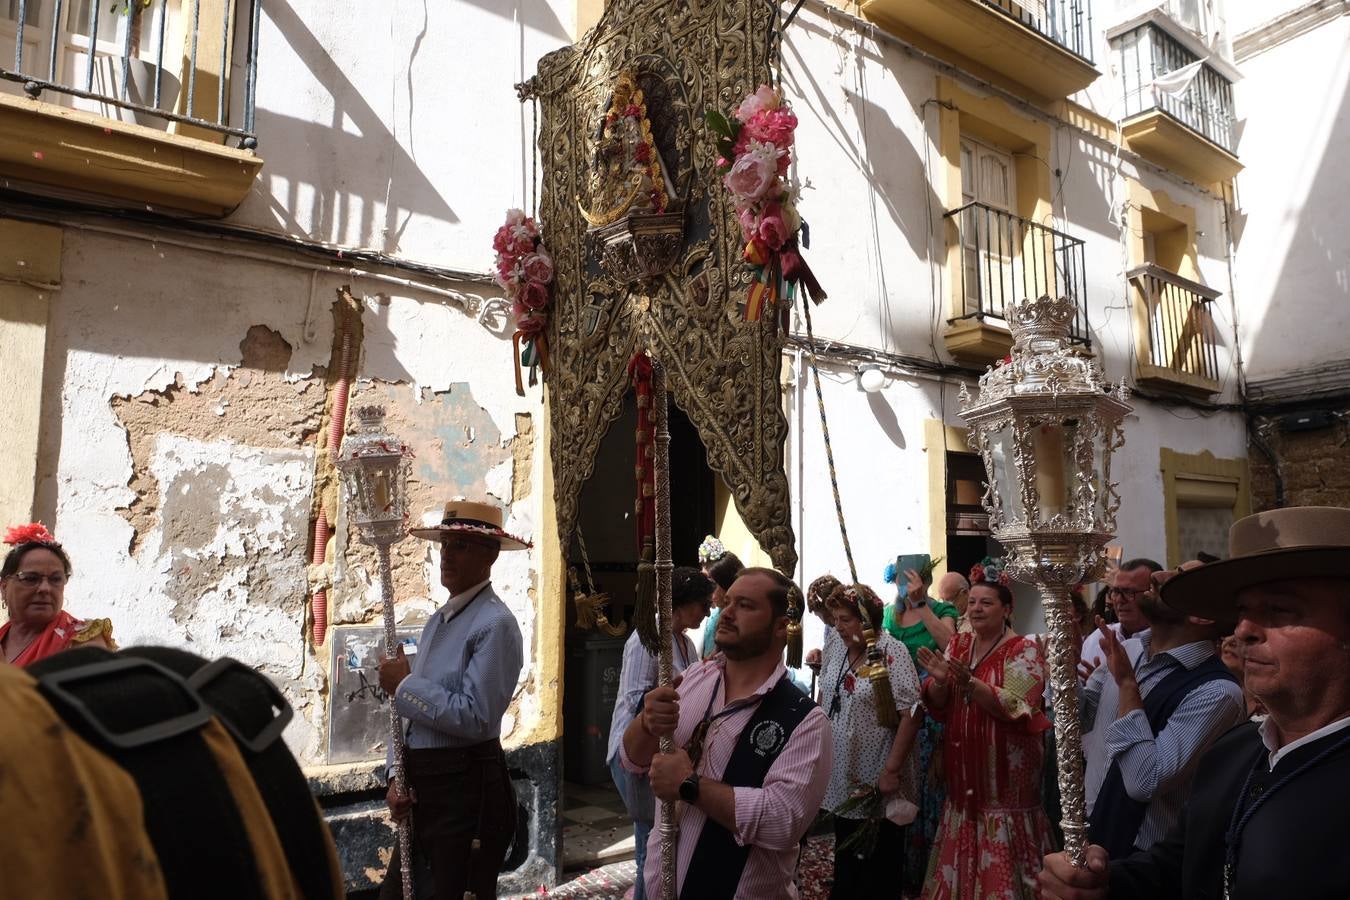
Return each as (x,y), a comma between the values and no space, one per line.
(994,831)
(62,633)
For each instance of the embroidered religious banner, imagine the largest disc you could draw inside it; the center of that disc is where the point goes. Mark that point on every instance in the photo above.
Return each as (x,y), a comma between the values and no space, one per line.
(647,248)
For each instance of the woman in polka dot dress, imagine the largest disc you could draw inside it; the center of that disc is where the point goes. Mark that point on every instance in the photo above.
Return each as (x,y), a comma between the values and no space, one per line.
(867,756)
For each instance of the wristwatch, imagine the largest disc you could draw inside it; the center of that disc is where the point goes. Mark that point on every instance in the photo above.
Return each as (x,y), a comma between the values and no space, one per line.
(689,789)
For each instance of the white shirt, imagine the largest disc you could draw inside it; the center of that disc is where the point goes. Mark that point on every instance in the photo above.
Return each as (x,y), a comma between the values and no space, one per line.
(1096,717)
(1092,647)
(1267,731)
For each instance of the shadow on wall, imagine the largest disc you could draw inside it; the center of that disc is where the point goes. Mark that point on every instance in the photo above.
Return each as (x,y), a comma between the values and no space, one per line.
(329,166)
(885,155)
(355,141)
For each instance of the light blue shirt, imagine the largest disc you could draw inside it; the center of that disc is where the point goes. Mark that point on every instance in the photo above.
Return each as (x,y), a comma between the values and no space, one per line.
(638,676)
(1157,770)
(464,674)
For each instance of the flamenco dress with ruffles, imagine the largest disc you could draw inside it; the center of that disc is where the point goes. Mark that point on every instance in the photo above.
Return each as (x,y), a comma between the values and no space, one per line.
(994,831)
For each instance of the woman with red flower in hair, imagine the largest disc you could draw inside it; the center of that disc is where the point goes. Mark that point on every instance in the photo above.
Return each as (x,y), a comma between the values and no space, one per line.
(989,690)
(33,584)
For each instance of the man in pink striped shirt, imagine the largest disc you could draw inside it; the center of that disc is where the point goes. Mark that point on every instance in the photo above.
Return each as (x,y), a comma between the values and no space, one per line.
(753,755)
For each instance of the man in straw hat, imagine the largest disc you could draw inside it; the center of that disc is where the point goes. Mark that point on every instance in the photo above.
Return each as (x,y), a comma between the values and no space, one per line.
(1268,809)
(453,697)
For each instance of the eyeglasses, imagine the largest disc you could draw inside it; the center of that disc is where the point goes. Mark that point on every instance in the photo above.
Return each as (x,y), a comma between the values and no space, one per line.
(1124,593)
(34,579)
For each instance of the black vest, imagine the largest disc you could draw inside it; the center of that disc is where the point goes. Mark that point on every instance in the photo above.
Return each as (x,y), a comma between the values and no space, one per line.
(1116,816)
(718,862)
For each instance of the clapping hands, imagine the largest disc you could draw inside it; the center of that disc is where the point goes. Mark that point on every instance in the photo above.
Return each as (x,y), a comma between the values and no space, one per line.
(945,670)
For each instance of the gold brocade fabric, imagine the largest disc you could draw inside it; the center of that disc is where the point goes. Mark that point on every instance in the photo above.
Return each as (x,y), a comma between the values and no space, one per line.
(94,628)
(686,57)
(72,816)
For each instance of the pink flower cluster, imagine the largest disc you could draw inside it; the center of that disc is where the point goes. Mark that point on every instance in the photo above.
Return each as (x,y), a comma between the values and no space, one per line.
(524,270)
(755,173)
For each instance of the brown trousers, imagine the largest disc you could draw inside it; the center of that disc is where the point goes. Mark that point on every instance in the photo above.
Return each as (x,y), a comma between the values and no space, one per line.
(463,795)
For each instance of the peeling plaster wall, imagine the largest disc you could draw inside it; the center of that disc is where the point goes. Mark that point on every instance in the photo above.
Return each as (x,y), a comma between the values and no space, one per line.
(179,466)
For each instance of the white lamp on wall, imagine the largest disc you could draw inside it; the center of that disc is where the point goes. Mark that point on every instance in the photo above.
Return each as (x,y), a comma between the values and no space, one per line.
(870,378)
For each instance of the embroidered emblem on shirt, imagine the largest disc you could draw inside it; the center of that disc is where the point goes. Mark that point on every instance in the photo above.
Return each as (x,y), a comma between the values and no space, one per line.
(768,738)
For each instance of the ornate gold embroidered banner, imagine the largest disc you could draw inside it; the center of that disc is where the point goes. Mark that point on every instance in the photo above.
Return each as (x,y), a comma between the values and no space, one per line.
(647,249)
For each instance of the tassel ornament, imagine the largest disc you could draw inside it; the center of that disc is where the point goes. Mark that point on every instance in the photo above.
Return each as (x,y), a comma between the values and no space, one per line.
(875,671)
(644,610)
(794,628)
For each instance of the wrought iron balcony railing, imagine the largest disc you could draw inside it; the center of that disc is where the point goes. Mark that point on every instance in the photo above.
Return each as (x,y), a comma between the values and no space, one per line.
(1006,258)
(1066,22)
(1204,103)
(91,53)
(1181,338)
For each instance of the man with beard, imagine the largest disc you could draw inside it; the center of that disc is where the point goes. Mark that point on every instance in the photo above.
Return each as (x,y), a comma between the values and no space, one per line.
(1267,814)
(753,757)
(1170,699)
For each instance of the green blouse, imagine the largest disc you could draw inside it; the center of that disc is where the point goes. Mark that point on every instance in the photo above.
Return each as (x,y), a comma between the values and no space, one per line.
(916,635)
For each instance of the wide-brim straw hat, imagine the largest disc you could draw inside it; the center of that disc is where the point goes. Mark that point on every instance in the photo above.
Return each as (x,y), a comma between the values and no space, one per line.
(1297,542)
(468,517)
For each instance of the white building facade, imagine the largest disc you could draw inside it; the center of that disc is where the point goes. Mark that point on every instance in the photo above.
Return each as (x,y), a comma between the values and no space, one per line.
(189,307)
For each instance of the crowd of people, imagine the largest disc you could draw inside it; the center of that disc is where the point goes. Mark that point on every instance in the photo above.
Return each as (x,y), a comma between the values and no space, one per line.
(927,740)
(1214,707)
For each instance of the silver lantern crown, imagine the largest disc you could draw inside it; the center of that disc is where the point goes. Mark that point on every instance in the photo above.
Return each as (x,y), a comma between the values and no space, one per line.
(1046,424)
(375,466)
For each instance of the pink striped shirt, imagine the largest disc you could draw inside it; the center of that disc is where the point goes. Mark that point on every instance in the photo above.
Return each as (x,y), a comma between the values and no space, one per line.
(770,819)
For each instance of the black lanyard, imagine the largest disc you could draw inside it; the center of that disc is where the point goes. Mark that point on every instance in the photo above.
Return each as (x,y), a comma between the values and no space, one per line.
(684,655)
(454,615)
(846,670)
(1240,818)
(694,746)
(998,643)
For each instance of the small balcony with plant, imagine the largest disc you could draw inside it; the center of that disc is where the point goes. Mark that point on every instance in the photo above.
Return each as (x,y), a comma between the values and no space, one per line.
(1178,98)
(1043,45)
(1176,348)
(996,259)
(148,102)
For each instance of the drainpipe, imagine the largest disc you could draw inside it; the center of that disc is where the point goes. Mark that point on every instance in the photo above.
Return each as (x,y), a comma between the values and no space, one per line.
(336,425)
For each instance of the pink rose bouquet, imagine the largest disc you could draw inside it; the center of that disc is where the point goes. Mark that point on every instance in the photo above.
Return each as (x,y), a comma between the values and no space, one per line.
(524,270)
(755,147)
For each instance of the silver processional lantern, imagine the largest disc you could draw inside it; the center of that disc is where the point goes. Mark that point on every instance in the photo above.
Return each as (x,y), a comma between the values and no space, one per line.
(374,466)
(1046,424)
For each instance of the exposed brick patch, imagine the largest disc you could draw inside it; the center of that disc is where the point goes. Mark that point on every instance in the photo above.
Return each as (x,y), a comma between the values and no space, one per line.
(253,405)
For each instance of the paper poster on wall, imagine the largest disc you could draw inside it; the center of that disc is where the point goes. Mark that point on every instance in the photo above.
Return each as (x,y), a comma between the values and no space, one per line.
(358,724)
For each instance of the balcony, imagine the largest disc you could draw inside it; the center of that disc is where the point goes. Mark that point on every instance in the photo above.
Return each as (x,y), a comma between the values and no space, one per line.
(132,101)
(997,259)
(1044,45)
(1175,345)
(1178,109)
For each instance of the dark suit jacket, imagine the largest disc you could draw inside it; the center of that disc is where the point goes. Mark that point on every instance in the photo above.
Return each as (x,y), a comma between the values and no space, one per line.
(1294,846)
